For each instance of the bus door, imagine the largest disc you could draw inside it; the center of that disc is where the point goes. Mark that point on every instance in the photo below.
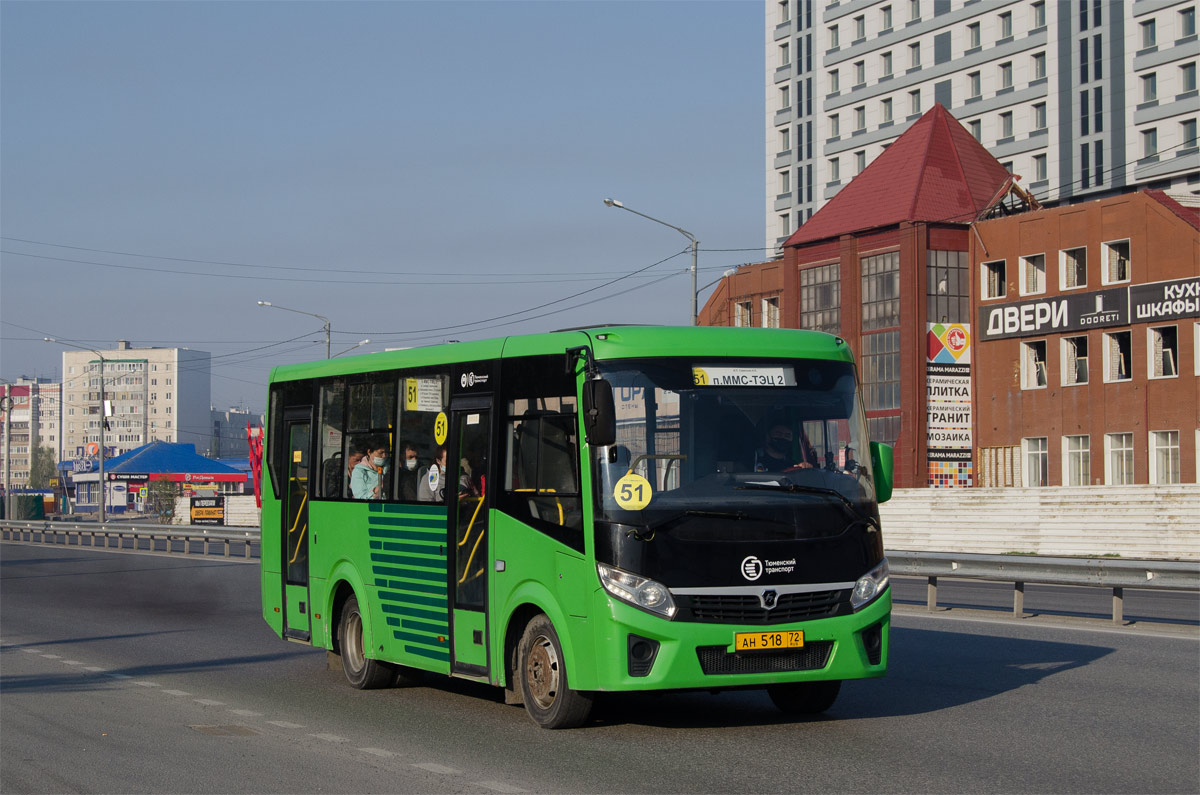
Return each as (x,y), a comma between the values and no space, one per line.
(298,433)
(469,496)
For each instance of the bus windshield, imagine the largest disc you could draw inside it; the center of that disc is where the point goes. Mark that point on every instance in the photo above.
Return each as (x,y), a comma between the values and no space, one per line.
(719,449)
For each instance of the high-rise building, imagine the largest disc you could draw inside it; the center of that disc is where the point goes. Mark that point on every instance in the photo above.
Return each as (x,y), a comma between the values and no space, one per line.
(153,395)
(35,406)
(1081,98)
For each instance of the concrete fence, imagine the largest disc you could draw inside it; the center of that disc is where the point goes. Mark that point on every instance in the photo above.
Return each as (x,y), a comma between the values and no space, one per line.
(1149,522)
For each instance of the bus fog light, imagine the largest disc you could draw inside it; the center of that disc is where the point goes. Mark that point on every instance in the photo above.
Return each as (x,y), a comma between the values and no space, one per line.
(638,591)
(870,585)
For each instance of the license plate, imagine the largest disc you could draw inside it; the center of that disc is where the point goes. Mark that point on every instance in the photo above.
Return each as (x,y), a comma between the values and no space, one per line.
(768,641)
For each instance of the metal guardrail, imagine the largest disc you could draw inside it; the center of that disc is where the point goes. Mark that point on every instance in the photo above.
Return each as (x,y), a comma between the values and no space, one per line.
(1117,574)
(137,537)
(1114,573)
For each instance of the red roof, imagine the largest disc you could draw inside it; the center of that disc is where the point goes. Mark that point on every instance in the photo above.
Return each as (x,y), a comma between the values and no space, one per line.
(935,171)
(1189,214)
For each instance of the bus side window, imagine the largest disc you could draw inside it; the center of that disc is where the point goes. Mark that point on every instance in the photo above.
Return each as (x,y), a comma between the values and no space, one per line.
(333,475)
(424,395)
(371,422)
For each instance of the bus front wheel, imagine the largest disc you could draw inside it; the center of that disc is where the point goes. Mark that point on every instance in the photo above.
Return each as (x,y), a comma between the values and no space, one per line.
(549,699)
(804,698)
(361,671)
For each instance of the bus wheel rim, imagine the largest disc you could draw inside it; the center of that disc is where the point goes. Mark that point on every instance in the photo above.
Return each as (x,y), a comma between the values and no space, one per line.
(542,672)
(354,642)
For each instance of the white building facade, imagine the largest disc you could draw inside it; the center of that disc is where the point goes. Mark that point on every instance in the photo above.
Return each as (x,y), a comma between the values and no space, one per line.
(154,394)
(1081,98)
(35,421)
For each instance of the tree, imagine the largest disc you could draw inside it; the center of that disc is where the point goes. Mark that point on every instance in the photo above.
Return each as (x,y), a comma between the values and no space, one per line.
(160,498)
(41,467)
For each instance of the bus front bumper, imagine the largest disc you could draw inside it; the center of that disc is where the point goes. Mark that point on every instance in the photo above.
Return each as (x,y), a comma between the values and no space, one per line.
(648,652)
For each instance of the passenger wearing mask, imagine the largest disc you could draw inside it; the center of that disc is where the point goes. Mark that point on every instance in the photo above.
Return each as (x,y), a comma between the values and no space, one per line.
(409,476)
(432,487)
(367,479)
(776,454)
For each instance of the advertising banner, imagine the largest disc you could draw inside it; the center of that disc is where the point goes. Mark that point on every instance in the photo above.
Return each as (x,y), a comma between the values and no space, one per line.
(208,510)
(948,405)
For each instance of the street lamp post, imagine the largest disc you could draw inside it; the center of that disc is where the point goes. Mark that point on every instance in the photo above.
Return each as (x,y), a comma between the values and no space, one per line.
(7,404)
(321,318)
(684,232)
(352,347)
(103,419)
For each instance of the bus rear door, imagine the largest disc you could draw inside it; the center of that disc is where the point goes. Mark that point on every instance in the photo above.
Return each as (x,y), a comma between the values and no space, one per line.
(295,533)
(468,493)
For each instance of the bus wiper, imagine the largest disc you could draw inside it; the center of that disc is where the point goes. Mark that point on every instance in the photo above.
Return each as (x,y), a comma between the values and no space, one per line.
(647,533)
(797,488)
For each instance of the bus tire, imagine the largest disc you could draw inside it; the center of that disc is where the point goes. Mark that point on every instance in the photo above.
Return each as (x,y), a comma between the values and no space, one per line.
(361,671)
(804,698)
(548,697)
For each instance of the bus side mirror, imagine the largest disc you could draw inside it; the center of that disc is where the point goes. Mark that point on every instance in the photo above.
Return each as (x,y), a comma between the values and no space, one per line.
(881,463)
(599,413)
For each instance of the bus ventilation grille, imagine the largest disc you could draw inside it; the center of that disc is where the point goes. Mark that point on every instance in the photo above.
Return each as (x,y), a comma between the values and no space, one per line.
(715,660)
(724,609)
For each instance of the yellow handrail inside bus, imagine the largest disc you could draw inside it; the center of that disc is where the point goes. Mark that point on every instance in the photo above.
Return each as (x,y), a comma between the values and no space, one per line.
(561,519)
(467,536)
(299,511)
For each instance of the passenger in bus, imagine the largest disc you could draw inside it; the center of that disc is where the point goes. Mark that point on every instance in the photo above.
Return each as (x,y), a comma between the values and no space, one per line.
(367,478)
(409,476)
(850,466)
(776,453)
(432,486)
(353,457)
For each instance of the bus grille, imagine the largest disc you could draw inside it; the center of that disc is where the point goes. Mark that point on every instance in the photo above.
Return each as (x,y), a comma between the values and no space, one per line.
(725,609)
(715,660)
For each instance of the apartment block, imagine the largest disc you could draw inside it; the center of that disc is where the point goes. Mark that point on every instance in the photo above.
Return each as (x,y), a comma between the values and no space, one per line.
(1080,98)
(34,407)
(153,394)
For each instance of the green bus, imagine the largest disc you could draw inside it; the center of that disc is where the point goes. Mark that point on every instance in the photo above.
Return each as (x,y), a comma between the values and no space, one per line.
(583,511)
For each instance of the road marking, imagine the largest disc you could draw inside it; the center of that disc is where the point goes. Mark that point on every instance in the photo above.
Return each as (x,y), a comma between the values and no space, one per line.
(208,702)
(94,669)
(48,656)
(435,768)
(72,662)
(246,713)
(499,786)
(283,724)
(31,651)
(378,752)
(147,684)
(333,738)
(176,692)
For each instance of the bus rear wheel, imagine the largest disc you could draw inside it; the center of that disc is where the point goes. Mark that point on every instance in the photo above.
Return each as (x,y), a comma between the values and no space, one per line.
(804,698)
(549,699)
(361,671)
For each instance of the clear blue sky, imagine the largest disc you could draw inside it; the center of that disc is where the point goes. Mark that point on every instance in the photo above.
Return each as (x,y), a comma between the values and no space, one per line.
(455,154)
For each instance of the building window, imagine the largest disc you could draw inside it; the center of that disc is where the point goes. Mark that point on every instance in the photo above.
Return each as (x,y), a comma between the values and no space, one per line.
(885,14)
(785,97)
(914,55)
(885,110)
(886,64)
(1116,261)
(1077,460)
(860,73)
(974,85)
(992,278)
(1039,116)
(1119,456)
(835,81)
(947,285)
(785,140)
(835,170)
(1074,361)
(1164,457)
(1149,34)
(1098,58)
(914,10)
(860,28)
(785,225)
(769,317)
(1033,365)
(1006,75)
(972,35)
(1187,77)
(1187,22)
(1149,143)
(1072,263)
(785,54)
(835,126)
(881,370)
(1118,353)
(785,182)
(1036,471)
(1149,87)
(860,118)
(741,314)
(1163,350)
(1039,65)
(1033,274)
(860,162)
(1039,168)
(1006,25)
(1006,124)
(914,102)
(821,298)
(881,291)
(833,37)
(1188,129)
(1039,15)
(785,11)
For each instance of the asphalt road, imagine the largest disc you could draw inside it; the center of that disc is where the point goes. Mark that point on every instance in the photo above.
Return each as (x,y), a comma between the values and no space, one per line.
(122,672)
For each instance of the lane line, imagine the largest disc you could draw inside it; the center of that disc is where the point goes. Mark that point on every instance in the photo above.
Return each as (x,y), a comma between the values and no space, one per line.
(175,692)
(71,662)
(333,738)
(378,752)
(208,702)
(246,713)
(283,724)
(147,684)
(433,767)
(48,656)
(94,669)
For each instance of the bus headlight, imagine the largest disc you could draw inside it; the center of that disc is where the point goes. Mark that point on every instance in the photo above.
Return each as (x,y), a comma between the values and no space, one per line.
(637,591)
(870,585)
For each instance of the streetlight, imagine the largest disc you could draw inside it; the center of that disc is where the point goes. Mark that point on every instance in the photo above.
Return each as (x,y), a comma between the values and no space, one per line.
(103,417)
(6,403)
(321,318)
(352,347)
(684,232)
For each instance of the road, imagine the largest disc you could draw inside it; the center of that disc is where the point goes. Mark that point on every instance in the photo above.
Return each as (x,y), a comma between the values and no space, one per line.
(122,672)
